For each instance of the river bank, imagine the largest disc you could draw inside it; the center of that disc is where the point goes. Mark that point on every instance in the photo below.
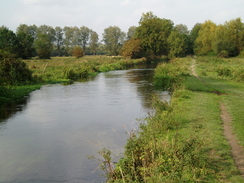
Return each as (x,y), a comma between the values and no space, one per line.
(63,69)
(184,141)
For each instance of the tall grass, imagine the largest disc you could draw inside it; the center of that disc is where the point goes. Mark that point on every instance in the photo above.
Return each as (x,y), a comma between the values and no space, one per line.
(59,68)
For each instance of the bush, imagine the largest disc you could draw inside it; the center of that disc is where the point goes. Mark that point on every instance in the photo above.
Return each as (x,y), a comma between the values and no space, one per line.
(168,75)
(132,49)
(238,75)
(241,53)
(77,52)
(224,72)
(13,71)
(223,54)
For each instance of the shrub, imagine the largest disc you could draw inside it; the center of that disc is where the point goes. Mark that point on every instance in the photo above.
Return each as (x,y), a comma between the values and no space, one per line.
(224,72)
(132,49)
(223,54)
(13,71)
(168,75)
(238,75)
(77,52)
(241,53)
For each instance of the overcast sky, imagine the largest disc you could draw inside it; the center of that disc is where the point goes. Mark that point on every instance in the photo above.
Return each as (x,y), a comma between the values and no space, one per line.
(100,14)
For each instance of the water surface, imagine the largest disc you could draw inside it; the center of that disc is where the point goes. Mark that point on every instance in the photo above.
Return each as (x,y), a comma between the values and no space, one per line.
(48,138)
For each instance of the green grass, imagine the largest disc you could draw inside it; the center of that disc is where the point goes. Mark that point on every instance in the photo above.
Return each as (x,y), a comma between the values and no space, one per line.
(184,142)
(16,93)
(59,68)
(232,86)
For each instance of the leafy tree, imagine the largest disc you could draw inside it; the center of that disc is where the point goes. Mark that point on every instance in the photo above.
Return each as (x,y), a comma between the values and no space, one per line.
(77,52)
(25,44)
(76,36)
(9,41)
(177,44)
(182,29)
(154,32)
(47,30)
(30,30)
(235,34)
(205,39)
(59,39)
(68,32)
(132,49)
(113,38)
(85,35)
(93,42)
(43,46)
(193,36)
(222,46)
(131,32)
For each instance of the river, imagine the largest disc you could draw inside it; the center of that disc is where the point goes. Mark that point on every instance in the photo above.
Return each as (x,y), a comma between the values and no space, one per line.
(49,137)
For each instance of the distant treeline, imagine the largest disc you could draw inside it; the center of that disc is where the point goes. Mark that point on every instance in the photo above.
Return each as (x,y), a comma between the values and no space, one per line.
(154,37)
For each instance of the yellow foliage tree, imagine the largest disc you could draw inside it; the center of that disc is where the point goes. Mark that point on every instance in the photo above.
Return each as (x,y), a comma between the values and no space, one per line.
(206,38)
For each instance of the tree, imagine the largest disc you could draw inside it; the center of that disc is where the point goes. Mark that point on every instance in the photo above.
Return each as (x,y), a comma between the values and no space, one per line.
(131,32)
(85,35)
(132,49)
(29,30)
(59,39)
(93,42)
(177,44)
(182,29)
(9,41)
(205,39)
(49,31)
(68,32)
(235,34)
(43,46)
(25,44)
(153,33)
(193,36)
(113,38)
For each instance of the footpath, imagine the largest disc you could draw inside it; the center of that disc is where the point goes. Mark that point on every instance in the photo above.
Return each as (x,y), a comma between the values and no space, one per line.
(237,150)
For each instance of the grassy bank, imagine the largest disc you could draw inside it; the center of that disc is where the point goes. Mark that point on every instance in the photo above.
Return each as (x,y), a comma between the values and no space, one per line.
(60,69)
(184,141)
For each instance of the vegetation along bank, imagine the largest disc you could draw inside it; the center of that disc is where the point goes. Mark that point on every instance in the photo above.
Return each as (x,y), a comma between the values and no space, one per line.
(184,141)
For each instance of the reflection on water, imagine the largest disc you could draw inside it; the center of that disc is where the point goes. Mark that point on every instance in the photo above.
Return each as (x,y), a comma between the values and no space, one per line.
(49,139)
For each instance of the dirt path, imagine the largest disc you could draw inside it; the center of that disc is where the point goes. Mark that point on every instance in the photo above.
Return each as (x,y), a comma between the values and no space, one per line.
(237,151)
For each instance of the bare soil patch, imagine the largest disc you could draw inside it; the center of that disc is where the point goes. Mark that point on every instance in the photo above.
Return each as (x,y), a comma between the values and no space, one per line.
(237,150)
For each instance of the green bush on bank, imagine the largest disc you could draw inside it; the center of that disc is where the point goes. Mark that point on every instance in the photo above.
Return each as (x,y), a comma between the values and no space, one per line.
(167,75)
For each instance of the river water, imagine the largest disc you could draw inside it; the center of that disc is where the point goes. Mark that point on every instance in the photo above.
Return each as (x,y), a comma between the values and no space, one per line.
(49,137)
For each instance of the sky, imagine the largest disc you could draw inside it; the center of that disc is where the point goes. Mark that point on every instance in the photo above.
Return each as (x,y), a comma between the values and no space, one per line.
(100,14)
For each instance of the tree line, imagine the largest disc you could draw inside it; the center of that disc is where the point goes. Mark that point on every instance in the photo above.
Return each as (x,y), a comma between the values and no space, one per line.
(157,37)
(154,37)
